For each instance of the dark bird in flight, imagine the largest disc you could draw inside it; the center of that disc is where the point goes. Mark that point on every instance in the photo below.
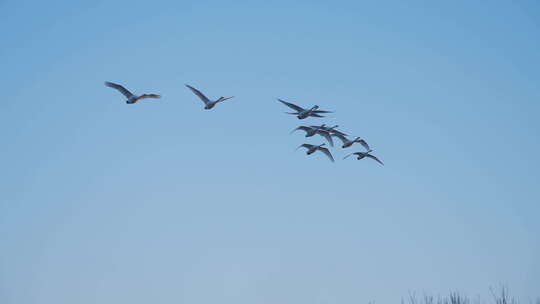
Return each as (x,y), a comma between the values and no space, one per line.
(332,130)
(302,113)
(347,143)
(365,154)
(207,102)
(312,149)
(310,131)
(131,99)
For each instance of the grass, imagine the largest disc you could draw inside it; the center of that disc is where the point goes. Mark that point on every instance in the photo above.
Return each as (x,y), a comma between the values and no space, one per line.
(498,297)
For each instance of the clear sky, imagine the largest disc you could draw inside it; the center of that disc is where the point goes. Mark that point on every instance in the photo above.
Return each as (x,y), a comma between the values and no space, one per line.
(164,202)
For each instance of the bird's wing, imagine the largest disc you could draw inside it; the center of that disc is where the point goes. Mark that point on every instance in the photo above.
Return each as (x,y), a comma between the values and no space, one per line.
(327,152)
(120,88)
(364,144)
(375,158)
(225,98)
(341,137)
(307,146)
(315,115)
(326,135)
(350,154)
(199,94)
(338,132)
(321,111)
(144,96)
(303,128)
(291,105)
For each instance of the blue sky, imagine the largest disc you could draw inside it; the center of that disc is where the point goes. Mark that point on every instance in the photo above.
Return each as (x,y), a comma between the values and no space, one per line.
(164,202)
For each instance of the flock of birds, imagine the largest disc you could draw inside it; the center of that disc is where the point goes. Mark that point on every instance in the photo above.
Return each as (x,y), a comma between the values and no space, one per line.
(301,113)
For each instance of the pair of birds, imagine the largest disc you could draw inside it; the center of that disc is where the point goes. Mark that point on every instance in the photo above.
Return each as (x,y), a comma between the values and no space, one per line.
(132,98)
(314,148)
(327,133)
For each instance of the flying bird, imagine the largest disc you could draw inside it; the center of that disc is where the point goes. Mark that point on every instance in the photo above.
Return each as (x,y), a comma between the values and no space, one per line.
(208,103)
(302,113)
(347,143)
(330,129)
(310,131)
(365,154)
(312,149)
(131,99)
